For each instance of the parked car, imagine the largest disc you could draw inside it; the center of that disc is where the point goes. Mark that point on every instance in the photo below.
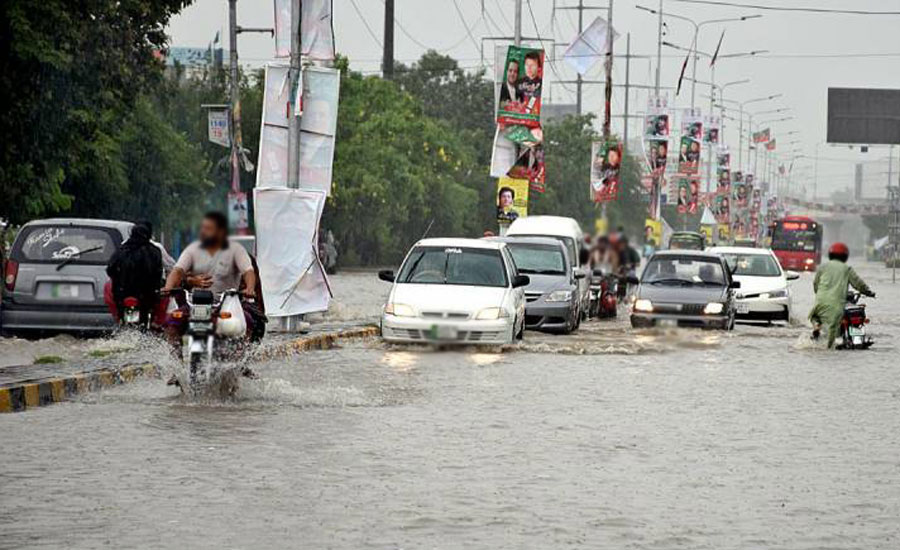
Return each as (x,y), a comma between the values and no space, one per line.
(464,291)
(551,298)
(687,240)
(765,294)
(55,275)
(685,288)
(569,233)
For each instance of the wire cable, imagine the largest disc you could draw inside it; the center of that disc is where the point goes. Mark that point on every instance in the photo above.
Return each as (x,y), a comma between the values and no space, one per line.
(366,23)
(466,25)
(788,9)
(541,40)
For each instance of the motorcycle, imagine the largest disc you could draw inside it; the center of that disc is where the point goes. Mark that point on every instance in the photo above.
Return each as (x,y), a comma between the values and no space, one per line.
(604,291)
(216,333)
(853,325)
(130,316)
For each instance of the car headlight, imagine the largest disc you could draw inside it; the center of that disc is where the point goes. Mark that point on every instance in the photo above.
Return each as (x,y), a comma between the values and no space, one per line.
(774,294)
(643,305)
(399,310)
(559,296)
(714,308)
(491,314)
(810,261)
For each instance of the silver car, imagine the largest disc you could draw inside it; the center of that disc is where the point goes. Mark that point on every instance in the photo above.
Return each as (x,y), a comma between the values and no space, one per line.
(55,276)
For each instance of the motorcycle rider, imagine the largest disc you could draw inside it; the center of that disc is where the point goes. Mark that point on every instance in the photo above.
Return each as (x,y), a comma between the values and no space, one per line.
(833,280)
(135,270)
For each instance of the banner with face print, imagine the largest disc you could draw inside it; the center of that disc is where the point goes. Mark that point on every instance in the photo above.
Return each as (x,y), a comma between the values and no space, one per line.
(512,199)
(711,129)
(606,160)
(689,155)
(520,93)
(722,208)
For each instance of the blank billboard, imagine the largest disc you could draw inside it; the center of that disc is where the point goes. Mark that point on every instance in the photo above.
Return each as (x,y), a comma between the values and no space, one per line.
(863,116)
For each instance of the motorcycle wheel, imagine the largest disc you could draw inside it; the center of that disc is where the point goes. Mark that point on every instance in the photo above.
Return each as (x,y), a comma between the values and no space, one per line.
(196,368)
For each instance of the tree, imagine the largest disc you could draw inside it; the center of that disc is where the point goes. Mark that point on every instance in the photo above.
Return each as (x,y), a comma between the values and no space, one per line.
(70,72)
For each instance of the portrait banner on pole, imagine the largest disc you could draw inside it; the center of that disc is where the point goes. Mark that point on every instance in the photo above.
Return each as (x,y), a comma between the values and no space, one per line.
(520,93)
(512,199)
(606,160)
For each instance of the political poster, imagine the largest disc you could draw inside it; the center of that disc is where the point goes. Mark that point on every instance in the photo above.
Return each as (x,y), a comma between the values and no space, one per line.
(656,127)
(520,94)
(688,195)
(219,126)
(606,160)
(723,235)
(689,155)
(711,129)
(652,233)
(659,152)
(238,211)
(590,46)
(770,146)
(692,124)
(762,136)
(722,208)
(512,199)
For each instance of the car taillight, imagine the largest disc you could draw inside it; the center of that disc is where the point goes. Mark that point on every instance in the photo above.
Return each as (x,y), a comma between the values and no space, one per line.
(857,319)
(12,271)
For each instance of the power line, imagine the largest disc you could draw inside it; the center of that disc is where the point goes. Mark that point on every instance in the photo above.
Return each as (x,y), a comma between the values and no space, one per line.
(425,46)
(788,9)
(541,40)
(466,25)
(366,23)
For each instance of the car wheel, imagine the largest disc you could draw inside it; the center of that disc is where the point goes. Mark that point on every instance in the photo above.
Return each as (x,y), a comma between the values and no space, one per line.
(521,334)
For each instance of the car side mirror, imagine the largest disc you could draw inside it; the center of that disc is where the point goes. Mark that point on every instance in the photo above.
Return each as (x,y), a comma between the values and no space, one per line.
(386,275)
(580,274)
(791,275)
(735,284)
(632,280)
(521,280)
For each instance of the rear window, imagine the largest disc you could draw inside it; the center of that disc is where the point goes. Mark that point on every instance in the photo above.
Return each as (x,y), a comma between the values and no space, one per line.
(753,265)
(55,243)
(537,259)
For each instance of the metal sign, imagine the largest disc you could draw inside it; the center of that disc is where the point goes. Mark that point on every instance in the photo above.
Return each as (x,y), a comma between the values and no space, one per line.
(219,131)
(863,115)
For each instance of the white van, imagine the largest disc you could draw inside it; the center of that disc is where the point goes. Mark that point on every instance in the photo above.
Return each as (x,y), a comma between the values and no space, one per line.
(570,234)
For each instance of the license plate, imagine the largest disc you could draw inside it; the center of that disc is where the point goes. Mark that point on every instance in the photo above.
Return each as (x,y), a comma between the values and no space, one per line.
(743,308)
(667,323)
(856,331)
(65,291)
(132,316)
(444,332)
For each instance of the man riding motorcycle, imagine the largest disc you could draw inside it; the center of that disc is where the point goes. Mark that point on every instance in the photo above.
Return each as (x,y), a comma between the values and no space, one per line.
(833,280)
(135,271)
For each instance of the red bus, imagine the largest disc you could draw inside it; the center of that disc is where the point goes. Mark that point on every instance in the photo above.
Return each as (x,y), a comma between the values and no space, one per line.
(797,243)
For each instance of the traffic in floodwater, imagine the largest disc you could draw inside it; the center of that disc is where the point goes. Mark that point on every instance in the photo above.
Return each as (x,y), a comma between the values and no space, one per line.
(609,437)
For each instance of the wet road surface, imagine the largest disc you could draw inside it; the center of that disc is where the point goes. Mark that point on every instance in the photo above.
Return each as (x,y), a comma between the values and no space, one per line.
(609,438)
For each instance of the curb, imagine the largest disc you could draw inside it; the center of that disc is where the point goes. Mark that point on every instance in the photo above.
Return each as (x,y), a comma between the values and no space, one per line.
(19,396)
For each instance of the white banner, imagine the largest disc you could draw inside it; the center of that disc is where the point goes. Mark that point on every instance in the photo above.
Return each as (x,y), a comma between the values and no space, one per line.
(317,32)
(218,126)
(590,46)
(293,278)
(282,28)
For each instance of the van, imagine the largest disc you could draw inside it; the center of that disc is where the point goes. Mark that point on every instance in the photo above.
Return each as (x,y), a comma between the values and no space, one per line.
(567,231)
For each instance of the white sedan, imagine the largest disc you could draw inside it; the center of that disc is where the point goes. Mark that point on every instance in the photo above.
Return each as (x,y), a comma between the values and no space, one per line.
(764,294)
(464,291)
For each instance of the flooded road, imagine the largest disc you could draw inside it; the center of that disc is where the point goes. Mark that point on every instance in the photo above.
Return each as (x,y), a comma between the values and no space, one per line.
(608,438)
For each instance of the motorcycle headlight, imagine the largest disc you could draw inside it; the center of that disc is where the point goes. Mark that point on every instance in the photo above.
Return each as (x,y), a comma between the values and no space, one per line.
(559,296)
(399,310)
(714,308)
(491,314)
(643,305)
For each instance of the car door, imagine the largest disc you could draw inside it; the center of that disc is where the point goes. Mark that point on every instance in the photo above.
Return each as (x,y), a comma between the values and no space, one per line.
(516,296)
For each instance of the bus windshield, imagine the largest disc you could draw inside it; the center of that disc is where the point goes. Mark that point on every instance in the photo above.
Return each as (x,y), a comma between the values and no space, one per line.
(797,240)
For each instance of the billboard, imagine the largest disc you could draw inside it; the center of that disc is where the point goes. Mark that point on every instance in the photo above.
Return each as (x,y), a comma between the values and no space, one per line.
(863,115)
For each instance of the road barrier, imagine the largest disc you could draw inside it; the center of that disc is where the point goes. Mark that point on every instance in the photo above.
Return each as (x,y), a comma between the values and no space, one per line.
(19,395)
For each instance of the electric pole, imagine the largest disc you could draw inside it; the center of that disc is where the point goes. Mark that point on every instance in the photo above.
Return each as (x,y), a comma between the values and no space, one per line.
(294,118)
(607,109)
(517,40)
(627,86)
(237,140)
(579,81)
(387,64)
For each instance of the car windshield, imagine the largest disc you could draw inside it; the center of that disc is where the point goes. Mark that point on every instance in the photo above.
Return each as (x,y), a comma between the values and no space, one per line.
(454,266)
(538,259)
(57,243)
(753,265)
(686,242)
(683,270)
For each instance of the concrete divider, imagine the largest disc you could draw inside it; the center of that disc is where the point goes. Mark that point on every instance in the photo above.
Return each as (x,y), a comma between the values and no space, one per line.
(26,391)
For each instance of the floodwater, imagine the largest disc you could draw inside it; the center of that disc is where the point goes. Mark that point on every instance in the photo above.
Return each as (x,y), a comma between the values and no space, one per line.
(610,438)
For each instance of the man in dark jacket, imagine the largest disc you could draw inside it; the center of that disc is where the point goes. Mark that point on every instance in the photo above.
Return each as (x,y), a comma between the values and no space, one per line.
(135,270)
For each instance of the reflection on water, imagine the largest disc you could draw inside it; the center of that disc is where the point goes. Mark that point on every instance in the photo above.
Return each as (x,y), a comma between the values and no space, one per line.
(608,438)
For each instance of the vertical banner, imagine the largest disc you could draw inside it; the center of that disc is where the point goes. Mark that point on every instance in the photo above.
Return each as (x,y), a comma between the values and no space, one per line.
(711,129)
(590,46)
(762,136)
(272,163)
(520,93)
(282,28)
(691,138)
(512,199)
(218,126)
(238,211)
(318,126)
(317,29)
(606,160)
(652,233)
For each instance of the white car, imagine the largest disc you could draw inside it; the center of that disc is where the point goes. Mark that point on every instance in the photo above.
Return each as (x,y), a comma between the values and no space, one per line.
(764,294)
(464,291)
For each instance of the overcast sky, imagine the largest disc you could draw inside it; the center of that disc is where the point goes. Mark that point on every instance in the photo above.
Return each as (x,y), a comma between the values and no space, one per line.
(790,38)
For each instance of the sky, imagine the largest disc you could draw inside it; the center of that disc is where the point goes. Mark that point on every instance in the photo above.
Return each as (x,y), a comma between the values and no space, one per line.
(807,54)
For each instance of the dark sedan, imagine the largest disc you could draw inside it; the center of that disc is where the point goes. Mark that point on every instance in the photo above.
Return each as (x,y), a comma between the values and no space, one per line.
(685,288)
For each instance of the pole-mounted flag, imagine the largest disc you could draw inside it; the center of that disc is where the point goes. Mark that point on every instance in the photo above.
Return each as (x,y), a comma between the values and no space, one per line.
(718,46)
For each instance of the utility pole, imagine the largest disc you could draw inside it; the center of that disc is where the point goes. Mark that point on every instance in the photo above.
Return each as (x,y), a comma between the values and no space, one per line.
(294,120)
(237,140)
(579,81)
(607,110)
(659,42)
(627,86)
(517,40)
(387,65)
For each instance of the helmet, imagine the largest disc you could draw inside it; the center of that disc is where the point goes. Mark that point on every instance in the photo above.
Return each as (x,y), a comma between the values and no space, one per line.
(838,251)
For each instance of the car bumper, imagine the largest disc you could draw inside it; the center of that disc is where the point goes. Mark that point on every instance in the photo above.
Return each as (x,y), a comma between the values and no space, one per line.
(414,329)
(71,319)
(647,320)
(543,316)
(763,309)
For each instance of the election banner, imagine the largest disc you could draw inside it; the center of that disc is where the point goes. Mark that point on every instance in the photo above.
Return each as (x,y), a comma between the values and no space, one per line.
(652,232)
(606,160)
(762,136)
(238,211)
(688,195)
(770,146)
(218,126)
(512,199)
(689,155)
(656,127)
(722,208)
(711,129)
(520,94)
